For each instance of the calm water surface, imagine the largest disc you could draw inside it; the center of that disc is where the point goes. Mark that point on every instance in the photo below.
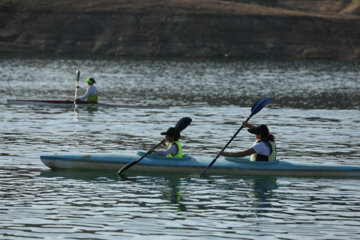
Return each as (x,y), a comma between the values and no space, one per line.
(315,116)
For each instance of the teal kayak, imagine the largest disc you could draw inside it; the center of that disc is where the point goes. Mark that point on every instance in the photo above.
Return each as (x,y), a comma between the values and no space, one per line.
(194,165)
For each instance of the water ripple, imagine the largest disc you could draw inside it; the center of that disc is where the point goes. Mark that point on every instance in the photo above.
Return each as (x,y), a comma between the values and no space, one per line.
(314,117)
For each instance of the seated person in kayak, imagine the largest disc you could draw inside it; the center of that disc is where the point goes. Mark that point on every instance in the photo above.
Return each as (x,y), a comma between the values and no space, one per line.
(264,148)
(91,94)
(173,149)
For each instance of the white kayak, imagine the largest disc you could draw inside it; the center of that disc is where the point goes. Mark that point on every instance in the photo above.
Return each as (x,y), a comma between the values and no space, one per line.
(70,103)
(195,165)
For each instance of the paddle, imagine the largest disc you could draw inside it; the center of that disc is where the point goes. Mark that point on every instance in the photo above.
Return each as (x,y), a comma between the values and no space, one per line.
(77,85)
(254,109)
(180,125)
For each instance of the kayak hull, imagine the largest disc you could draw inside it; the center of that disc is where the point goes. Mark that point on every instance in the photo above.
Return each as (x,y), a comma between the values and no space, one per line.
(191,165)
(70,103)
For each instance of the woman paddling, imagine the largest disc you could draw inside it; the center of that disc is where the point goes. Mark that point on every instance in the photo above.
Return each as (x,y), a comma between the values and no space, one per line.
(264,148)
(91,94)
(173,149)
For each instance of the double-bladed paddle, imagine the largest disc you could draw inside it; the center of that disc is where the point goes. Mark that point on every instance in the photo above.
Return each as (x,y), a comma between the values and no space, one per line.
(180,125)
(254,109)
(77,85)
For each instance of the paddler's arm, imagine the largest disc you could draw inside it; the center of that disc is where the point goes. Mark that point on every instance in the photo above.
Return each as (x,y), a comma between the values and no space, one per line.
(88,91)
(163,143)
(173,150)
(238,154)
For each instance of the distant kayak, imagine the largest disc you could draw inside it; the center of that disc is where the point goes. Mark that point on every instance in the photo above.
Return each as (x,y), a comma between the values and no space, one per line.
(190,165)
(70,103)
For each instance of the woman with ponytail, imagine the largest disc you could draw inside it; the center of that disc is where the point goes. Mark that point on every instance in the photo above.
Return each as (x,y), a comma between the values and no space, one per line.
(264,148)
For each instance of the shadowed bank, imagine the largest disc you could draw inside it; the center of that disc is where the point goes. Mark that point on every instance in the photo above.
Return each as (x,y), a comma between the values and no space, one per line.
(198,28)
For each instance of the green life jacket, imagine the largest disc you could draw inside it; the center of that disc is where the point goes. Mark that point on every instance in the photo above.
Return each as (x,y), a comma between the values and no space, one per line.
(259,157)
(179,152)
(92,98)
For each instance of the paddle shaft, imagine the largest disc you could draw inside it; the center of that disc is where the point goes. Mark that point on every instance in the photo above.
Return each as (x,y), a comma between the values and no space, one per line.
(77,85)
(227,144)
(130,164)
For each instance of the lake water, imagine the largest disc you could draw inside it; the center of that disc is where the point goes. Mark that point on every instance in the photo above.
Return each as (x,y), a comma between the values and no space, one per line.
(314,115)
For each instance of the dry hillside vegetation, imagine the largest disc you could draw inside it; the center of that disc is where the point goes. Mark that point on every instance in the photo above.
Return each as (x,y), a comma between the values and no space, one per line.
(175,28)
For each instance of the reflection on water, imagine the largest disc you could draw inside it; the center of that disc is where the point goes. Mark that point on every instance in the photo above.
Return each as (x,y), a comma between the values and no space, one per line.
(259,187)
(79,175)
(314,116)
(261,190)
(98,205)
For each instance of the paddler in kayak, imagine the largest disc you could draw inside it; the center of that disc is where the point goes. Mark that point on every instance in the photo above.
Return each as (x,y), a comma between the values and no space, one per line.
(91,94)
(173,148)
(264,148)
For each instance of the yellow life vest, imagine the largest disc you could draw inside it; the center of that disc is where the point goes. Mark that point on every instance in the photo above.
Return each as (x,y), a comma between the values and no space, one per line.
(179,152)
(92,98)
(259,157)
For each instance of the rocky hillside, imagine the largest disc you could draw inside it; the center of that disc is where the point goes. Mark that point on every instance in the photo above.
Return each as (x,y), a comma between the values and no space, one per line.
(308,29)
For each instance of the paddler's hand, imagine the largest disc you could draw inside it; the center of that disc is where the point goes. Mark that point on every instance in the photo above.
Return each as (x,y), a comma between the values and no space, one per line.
(247,125)
(222,153)
(150,151)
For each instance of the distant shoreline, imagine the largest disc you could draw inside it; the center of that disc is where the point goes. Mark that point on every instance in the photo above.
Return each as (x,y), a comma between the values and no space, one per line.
(198,28)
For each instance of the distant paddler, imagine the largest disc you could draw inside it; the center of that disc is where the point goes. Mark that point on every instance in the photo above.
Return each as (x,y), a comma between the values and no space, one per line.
(91,94)
(263,149)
